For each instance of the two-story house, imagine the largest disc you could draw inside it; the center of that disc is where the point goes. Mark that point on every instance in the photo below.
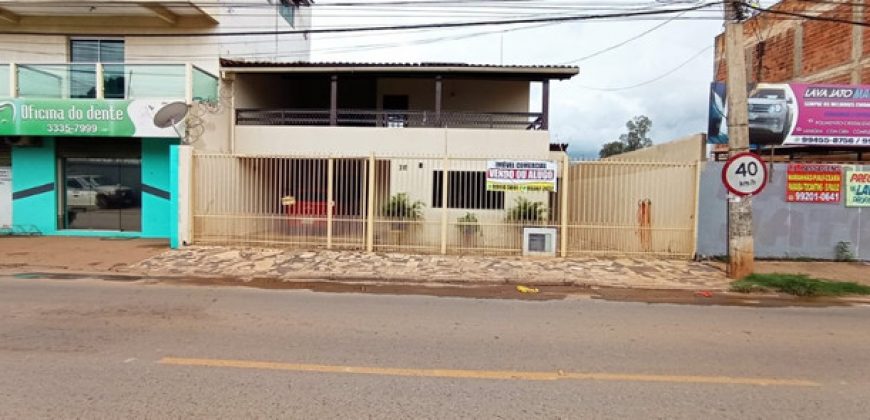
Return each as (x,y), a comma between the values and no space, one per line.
(324,154)
(82,86)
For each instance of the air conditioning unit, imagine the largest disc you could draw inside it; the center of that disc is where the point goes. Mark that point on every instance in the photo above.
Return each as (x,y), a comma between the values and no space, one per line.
(539,242)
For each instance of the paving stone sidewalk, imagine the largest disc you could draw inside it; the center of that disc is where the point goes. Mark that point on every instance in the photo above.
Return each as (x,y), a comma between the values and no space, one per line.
(246,264)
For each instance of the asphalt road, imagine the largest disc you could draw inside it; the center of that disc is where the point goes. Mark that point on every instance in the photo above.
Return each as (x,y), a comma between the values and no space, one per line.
(97,349)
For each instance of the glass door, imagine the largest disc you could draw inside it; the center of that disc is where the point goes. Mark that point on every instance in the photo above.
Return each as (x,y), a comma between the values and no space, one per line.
(102,194)
(102,184)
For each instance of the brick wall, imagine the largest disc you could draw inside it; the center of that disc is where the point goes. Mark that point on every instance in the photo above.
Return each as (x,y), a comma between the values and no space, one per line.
(824,49)
(827,44)
(773,59)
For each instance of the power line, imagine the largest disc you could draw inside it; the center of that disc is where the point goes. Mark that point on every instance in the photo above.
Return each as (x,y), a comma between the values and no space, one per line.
(615,46)
(655,79)
(805,16)
(442,25)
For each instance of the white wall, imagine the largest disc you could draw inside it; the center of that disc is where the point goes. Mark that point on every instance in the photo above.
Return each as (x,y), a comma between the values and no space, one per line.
(202,51)
(356,141)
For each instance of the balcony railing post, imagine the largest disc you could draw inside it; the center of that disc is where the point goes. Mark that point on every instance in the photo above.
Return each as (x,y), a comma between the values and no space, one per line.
(333,100)
(100,82)
(13,80)
(438,90)
(545,105)
(188,82)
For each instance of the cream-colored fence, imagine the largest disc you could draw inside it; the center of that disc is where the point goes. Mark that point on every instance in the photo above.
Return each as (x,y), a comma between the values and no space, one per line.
(439,205)
(632,208)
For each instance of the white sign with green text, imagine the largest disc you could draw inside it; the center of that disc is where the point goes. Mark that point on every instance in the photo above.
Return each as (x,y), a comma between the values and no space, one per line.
(82,117)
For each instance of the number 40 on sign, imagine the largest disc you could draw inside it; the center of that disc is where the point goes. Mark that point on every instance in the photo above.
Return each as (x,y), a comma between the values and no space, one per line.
(744,174)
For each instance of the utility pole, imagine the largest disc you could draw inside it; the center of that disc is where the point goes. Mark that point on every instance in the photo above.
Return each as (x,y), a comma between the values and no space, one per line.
(741,249)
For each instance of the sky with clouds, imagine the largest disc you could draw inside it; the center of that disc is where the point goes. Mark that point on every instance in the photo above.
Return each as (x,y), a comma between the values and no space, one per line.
(590,109)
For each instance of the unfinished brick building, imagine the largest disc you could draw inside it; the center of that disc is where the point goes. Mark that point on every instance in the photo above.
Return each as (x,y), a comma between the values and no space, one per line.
(781,48)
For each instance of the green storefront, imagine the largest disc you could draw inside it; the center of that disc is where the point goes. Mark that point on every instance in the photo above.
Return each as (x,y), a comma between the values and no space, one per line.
(89,167)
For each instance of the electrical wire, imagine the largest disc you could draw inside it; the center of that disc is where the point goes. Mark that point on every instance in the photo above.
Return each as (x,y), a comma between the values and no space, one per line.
(805,16)
(653,80)
(440,25)
(615,46)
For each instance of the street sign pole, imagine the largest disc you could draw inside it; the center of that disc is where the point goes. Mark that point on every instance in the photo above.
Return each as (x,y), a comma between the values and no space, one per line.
(741,248)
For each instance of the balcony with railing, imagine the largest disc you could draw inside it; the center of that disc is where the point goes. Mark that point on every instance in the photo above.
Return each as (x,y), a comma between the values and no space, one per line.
(391,118)
(389,101)
(107,81)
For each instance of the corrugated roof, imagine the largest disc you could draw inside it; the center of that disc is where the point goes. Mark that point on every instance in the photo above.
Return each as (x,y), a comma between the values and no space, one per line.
(540,71)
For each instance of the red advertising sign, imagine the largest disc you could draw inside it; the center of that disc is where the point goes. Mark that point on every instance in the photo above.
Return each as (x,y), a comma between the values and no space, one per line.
(811,183)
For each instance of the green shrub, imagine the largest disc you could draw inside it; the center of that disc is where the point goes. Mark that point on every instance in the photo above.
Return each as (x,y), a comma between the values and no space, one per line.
(400,207)
(526,211)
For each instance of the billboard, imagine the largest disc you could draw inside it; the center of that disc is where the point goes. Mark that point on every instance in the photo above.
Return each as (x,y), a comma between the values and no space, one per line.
(797,114)
(813,183)
(520,175)
(857,189)
(81,117)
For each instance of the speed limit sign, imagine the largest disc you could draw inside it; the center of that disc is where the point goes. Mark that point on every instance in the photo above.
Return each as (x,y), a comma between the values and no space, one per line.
(744,174)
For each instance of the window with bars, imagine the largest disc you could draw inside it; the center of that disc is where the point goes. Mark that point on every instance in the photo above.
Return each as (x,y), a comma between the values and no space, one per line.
(465,190)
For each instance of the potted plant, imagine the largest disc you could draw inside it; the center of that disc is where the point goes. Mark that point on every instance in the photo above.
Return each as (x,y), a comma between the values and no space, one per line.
(526,212)
(469,229)
(400,208)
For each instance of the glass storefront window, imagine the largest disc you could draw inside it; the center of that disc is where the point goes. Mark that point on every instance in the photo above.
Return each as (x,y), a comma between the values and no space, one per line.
(101,183)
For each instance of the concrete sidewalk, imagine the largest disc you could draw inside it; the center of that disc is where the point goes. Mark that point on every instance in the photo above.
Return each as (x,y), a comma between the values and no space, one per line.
(143,257)
(284,265)
(75,254)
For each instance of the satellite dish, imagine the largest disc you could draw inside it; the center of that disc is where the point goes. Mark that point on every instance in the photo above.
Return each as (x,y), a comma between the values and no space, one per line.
(170,114)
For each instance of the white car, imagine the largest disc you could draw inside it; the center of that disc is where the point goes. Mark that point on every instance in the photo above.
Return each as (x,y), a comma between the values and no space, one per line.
(85,191)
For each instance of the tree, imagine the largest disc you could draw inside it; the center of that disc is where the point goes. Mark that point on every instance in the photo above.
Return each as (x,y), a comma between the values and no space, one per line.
(636,138)
(612,148)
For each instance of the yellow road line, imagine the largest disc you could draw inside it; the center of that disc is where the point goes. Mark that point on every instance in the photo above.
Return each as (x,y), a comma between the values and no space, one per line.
(485,374)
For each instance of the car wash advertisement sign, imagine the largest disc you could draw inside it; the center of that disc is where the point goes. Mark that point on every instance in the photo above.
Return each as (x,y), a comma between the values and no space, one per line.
(858,189)
(520,175)
(81,117)
(798,114)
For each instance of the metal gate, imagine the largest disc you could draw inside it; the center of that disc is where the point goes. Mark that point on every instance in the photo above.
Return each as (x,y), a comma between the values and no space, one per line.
(440,205)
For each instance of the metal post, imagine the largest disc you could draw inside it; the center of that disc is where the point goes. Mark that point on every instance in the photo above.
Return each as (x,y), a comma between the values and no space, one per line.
(333,100)
(188,83)
(370,228)
(563,212)
(741,252)
(438,93)
(545,105)
(330,200)
(13,80)
(444,185)
(697,208)
(100,81)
